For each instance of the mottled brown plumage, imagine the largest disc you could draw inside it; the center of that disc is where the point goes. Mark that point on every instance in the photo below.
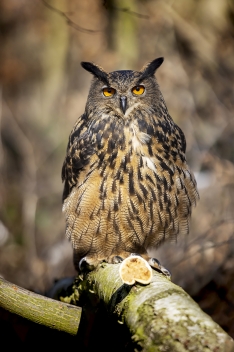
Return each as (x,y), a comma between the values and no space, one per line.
(127,187)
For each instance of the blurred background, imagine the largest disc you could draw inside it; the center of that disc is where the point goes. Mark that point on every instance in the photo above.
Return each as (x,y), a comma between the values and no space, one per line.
(43,91)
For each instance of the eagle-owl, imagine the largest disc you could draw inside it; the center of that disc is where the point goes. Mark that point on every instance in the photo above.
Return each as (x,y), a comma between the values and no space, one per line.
(128,187)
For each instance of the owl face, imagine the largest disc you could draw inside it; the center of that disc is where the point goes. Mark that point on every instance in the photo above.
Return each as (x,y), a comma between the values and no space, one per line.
(121,92)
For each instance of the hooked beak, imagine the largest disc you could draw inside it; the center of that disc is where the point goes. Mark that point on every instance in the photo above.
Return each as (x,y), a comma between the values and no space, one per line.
(123,103)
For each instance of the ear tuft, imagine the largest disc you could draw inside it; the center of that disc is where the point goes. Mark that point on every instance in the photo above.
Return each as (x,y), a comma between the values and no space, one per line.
(149,69)
(96,71)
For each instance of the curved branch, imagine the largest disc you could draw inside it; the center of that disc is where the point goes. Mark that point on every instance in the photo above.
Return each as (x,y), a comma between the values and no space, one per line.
(159,316)
(39,309)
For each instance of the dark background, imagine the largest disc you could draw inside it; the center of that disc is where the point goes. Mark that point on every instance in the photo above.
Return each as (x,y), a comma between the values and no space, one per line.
(43,91)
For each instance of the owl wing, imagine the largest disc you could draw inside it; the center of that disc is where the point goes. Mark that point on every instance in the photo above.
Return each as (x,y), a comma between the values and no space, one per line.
(180,135)
(79,150)
(175,190)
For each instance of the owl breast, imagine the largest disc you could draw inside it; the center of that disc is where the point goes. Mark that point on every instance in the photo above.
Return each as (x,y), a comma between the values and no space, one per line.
(135,191)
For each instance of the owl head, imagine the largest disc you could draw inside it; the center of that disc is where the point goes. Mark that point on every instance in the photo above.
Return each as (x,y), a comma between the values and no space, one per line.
(121,92)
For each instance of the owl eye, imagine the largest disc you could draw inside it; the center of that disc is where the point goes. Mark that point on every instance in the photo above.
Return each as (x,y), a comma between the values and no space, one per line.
(138,90)
(108,92)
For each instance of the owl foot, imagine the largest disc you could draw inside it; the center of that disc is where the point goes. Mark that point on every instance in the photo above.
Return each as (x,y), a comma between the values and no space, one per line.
(84,265)
(116,259)
(89,264)
(155,264)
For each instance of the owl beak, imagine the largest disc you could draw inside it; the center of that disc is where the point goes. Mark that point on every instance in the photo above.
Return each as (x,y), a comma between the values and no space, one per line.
(123,103)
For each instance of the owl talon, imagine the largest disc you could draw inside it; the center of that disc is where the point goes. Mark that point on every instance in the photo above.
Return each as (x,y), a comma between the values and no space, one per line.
(117,259)
(155,264)
(84,265)
(166,272)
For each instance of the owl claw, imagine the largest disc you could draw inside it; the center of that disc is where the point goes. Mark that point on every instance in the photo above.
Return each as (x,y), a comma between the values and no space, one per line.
(84,265)
(166,272)
(155,264)
(117,259)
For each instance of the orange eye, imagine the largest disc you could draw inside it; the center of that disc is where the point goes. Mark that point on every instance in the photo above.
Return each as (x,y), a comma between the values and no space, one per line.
(108,92)
(138,90)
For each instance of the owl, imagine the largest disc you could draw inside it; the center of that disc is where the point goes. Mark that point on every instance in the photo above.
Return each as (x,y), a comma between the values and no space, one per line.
(127,185)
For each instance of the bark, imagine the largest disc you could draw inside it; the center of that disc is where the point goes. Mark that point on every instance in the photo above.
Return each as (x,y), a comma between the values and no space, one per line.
(39,309)
(160,316)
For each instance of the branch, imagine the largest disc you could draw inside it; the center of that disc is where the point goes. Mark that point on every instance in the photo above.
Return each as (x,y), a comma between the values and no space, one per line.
(159,316)
(39,309)
(69,21)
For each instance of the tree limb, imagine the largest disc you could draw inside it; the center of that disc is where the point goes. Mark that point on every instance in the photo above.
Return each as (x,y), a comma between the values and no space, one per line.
(160,316)
(39,309)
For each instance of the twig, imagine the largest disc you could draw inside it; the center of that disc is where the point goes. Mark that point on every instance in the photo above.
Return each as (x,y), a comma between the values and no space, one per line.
(28,181)
(69,21)
(201,250)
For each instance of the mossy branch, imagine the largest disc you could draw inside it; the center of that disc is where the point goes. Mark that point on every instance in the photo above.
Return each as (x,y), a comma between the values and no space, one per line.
(160,316)
(39,309)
